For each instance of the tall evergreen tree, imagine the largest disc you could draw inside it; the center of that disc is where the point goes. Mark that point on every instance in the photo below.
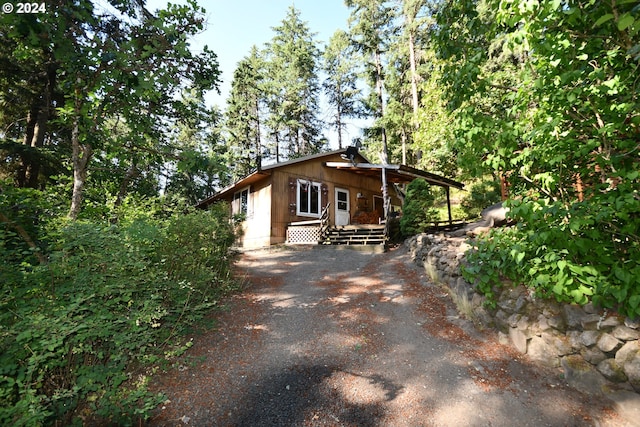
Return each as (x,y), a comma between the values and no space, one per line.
(292,88)
(200,167)
(341,83)
(243,123)
(412,95)
(370,30)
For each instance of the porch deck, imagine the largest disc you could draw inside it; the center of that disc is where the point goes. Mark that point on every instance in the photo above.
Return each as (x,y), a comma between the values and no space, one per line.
(366,237)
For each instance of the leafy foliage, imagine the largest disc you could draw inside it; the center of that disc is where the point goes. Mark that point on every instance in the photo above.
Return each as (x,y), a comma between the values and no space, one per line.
(545,93)
(103,102)
(482,193)
(80,334)
(97,88)
(553,251)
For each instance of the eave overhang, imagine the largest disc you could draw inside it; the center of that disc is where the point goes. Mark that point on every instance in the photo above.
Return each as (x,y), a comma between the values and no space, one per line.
(231,189)
(397,174)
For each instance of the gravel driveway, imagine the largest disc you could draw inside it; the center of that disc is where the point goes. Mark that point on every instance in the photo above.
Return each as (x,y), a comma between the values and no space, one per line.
(329,337)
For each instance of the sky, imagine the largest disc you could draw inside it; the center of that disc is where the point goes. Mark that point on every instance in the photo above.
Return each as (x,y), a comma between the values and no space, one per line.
(234,26)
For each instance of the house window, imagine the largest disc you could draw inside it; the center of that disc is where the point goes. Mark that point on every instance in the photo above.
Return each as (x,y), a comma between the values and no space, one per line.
(309,202)
(240,203)
(342,198)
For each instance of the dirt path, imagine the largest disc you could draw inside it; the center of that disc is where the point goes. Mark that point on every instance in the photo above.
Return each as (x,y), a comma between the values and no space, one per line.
(325,337)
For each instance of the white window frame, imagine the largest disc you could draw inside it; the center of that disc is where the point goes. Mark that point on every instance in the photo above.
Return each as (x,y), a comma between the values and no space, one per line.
(237,207)
(301,184)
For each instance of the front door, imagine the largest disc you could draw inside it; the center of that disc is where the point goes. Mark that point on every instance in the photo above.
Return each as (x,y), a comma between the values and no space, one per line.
(343,214)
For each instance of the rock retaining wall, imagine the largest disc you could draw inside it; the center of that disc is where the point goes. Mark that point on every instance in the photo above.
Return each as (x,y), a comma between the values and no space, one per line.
(598,351)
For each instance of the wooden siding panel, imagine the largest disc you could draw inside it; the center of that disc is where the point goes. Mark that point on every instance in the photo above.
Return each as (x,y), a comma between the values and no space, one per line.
(257,226)
(284,181)
(273,199)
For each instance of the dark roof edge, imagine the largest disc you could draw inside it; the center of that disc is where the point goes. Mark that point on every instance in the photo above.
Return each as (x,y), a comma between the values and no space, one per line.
(306,158)
(206,202)
(437,179)
(403,170)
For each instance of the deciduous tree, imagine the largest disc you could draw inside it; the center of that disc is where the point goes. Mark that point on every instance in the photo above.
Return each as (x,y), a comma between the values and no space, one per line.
(97,64)
(546,93)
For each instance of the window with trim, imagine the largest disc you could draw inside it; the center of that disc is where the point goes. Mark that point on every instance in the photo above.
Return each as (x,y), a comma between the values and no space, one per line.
(240,203)
(309,198)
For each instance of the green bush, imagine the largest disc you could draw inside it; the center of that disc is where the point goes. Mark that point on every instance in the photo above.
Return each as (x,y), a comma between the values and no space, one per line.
(482,194)
(418,212)
(80,334)
(21,221)
(580,252)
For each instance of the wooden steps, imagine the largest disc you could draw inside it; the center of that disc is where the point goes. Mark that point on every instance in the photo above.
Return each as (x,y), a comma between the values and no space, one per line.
(356,235)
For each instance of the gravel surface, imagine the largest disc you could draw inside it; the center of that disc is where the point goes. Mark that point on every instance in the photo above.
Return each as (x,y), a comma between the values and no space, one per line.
(329,337)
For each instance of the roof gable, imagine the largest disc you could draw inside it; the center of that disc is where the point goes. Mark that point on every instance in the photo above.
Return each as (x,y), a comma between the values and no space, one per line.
(398,173)
(265,171)
(310,158)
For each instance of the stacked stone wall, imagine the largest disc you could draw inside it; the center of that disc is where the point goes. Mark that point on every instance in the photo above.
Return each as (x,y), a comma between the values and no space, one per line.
(598,351)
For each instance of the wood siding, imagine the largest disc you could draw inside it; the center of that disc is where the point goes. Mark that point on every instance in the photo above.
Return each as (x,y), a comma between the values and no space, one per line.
(272,200)
(257,227)
(284,195)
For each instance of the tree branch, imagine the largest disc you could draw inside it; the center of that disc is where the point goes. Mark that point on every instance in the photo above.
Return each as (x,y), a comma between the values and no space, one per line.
(25,236)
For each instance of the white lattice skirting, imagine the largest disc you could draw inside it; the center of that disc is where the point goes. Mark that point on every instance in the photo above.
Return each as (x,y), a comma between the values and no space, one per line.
(298,235)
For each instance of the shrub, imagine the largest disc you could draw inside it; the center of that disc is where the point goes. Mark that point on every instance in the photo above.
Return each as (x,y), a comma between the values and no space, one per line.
(418,212)
(579,252)
(482,194)
(80,334)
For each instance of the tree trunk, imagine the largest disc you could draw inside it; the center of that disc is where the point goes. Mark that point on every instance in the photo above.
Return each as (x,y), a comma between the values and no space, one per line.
(414,77)
(35,133)
(132,173)
(25,236)
(25,157)
(384,155)
(403,137)
(258,143)
(411,11)
(37,141)
(34,137)
(339,127)
(81,153)
(379,91)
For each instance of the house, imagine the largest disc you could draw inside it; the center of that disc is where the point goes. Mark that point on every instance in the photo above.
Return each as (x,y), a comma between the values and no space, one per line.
(284,202)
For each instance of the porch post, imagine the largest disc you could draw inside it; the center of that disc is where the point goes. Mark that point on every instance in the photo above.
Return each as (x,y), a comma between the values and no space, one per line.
(385,193)
(449,203)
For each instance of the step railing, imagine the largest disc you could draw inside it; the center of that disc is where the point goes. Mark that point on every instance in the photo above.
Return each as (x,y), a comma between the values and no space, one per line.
(324,222)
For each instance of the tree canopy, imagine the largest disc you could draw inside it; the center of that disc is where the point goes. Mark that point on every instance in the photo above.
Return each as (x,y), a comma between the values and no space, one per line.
(99,84)
(102,111)
(545,95)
